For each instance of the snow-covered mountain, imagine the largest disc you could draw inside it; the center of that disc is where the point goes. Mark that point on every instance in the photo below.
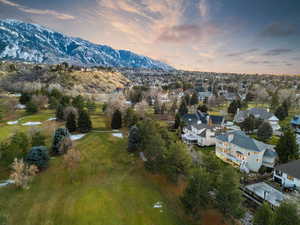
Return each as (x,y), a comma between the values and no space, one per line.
(34,43)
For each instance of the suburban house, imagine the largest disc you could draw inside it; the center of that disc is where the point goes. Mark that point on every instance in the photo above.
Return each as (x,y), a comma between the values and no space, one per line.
(201,128)
(229,96)
(260,113)
(237,148)
(288,174)
(204,95)
(295,123)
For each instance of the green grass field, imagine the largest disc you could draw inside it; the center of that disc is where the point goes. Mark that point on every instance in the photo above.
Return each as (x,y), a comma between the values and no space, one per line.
(111,188)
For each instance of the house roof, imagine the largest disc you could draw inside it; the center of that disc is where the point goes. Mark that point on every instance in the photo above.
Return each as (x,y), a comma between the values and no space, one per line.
(242,140)
(291,168)
(270,153)
(256,112)
(261,113)
(216,119)
(199,119)
(296,120)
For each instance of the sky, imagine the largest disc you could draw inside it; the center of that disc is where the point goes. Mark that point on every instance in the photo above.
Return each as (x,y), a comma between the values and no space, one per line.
(241,36)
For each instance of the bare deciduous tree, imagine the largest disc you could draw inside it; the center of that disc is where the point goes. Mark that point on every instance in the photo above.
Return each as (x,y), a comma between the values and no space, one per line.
(116,101)
(141,108)
(40,100)
(22,173)
(68,110)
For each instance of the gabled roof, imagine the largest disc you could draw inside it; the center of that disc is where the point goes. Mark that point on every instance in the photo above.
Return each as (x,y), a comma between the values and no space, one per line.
(256,112)
(216,119)
(296,120)
(242,140)
(200,118)
(261,113)
(291,168)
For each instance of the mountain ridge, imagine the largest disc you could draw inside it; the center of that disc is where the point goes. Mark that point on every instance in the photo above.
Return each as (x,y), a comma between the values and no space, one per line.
(29,42)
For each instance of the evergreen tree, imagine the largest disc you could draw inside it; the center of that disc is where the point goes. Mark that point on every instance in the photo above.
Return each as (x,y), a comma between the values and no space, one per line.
(59,112)
(84,122)
(154,151)
(134,139)
(91,106)
(264,215)
(61,141)
(183,109)
(280,113)
(53,102)
(286,106)
(38,156)
(65,100)
(157,109)
(187,99)
(194,99)
(196,195)
(248,125)
(177,121)
(287,147)
(116,121)
(71,122)
(228,194)
(203,108)
(234,106)
(130,118)
(286,214)
(264,131)
(78,102)
(31,107)
(177,161)
(38,139)
(25,98)
(274,101)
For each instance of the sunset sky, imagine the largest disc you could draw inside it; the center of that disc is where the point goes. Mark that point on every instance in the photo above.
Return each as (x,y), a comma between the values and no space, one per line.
(246,36)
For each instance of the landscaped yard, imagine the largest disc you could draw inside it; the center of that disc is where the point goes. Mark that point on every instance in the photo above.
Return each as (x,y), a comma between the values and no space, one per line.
(111,187)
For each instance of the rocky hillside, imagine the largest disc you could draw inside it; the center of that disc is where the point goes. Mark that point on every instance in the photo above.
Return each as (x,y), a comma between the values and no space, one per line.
(17,76)
(33,43)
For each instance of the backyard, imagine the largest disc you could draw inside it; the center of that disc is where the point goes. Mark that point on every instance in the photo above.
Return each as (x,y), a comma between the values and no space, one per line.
(110,187)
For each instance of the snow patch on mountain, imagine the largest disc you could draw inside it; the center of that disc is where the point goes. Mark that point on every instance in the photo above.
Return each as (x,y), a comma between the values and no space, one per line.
(31,42)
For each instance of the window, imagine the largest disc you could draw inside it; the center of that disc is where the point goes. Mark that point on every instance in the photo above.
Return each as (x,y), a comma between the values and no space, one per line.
(278,173)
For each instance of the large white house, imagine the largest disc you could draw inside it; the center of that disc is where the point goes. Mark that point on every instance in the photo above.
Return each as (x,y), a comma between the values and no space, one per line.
(288,174)
(260,113)
(201,128)
(237,148)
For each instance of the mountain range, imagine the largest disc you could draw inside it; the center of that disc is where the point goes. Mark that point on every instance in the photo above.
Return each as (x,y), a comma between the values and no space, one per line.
(34,43)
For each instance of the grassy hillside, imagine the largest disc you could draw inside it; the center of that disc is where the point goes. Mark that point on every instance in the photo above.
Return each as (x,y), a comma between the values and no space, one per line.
(15,76)
(111,187)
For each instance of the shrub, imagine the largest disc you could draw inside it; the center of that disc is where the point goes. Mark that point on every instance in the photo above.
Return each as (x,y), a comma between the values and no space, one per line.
(38,156)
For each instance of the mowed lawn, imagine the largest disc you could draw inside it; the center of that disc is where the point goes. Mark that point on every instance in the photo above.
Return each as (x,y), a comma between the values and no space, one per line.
(8,130)
(110,188)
